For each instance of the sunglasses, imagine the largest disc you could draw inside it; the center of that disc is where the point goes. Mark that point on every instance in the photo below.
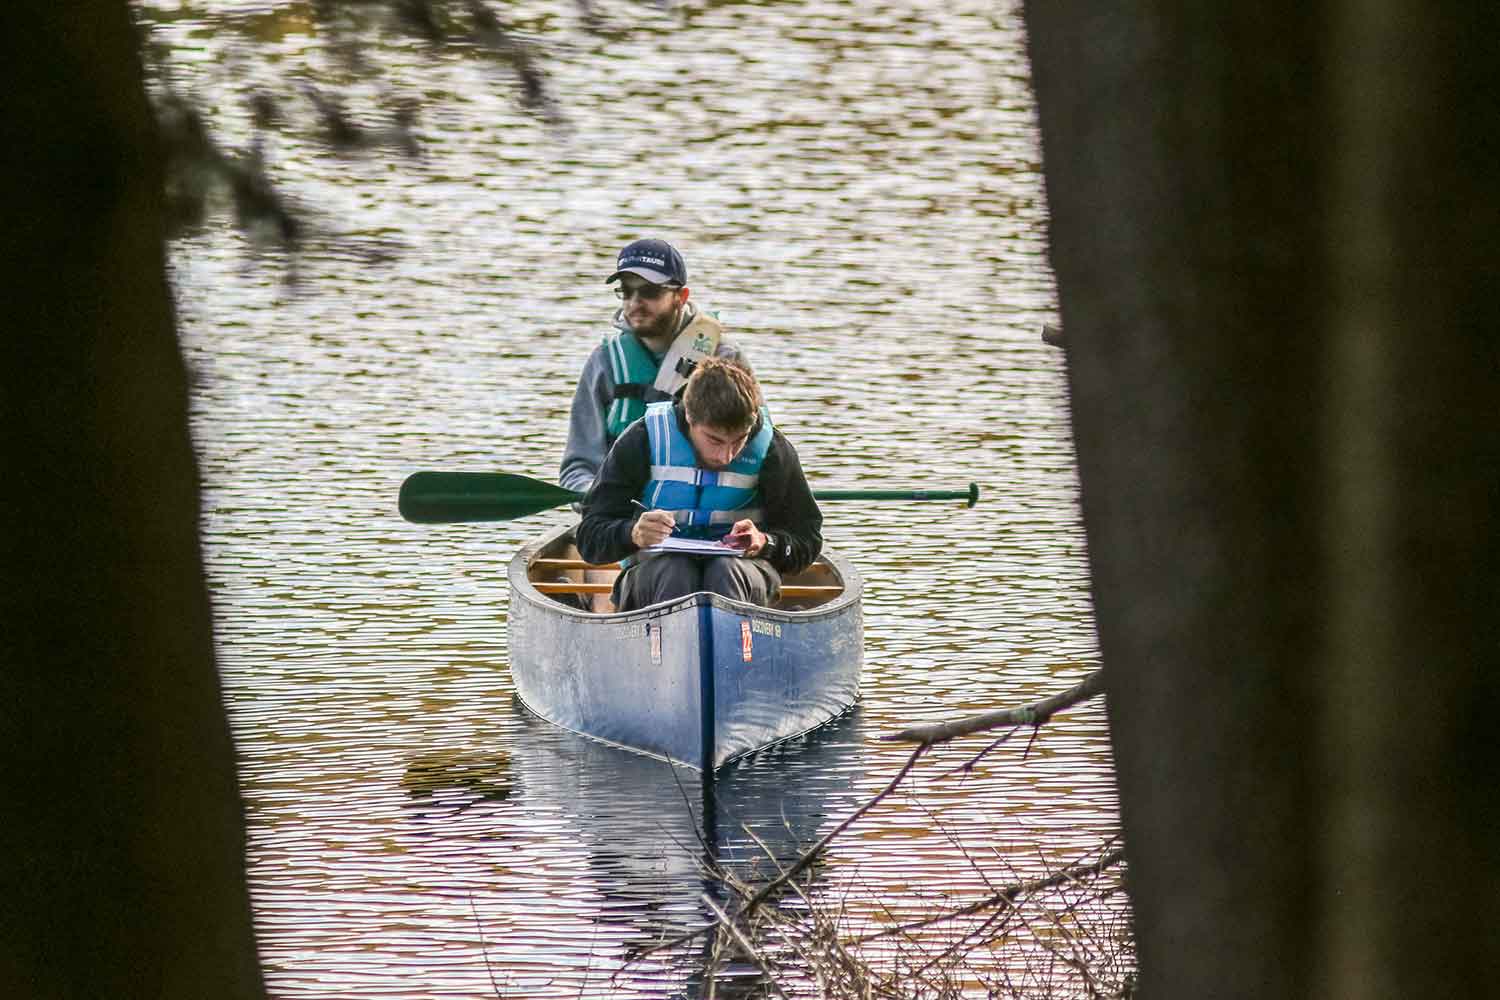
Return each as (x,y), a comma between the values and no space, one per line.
(644,290)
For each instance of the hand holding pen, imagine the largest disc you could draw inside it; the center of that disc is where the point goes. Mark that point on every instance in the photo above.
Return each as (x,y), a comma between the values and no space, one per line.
(652,527)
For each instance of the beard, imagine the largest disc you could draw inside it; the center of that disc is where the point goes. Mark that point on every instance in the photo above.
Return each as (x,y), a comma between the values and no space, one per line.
(664,325)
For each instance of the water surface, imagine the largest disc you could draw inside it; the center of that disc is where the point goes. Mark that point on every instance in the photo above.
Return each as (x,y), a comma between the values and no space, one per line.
(856,188)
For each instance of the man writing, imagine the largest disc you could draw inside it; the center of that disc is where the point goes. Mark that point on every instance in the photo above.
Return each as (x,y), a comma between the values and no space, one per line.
(659,335)
(708,467)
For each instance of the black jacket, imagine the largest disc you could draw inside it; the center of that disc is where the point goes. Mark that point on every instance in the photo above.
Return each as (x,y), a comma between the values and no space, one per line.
(789,512)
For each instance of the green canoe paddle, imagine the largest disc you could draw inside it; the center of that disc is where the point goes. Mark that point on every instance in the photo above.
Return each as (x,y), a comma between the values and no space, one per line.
(454,497)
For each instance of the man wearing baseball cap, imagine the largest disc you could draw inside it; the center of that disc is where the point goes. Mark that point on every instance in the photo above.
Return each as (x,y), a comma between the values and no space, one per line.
(659,336)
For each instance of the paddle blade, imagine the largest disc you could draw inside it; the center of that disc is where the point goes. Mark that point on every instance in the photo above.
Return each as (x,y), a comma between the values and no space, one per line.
(453,497)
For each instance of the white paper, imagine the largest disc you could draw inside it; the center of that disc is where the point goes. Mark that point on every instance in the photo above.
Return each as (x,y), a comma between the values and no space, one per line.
(695,546)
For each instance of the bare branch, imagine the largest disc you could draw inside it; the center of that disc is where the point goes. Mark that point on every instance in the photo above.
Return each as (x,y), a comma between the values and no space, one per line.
(1007,896)
(1030,715)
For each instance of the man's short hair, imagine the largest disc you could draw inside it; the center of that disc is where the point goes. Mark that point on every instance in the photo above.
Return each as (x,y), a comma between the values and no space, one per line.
(721,394)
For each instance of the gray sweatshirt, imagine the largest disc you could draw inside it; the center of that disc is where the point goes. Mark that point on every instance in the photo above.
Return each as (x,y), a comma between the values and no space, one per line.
(588,439)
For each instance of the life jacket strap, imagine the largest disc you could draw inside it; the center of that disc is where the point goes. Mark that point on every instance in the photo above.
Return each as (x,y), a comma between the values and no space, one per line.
(696,341)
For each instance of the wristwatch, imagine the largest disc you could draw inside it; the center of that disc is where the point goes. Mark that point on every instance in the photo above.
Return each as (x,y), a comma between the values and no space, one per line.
(768,548)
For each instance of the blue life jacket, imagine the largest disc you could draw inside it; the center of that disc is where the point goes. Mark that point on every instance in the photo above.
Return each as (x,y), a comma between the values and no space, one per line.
(705,503)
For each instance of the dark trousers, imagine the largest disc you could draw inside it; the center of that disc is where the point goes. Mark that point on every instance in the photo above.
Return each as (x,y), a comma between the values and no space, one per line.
(668,576)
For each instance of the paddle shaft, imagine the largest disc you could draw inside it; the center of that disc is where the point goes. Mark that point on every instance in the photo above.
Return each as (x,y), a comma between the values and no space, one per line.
(971,494)
(453,497)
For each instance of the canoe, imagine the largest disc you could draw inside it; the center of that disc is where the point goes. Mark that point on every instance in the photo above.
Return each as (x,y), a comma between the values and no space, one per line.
(701,680)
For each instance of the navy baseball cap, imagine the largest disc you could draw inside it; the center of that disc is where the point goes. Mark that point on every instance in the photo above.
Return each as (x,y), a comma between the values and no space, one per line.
(655,260)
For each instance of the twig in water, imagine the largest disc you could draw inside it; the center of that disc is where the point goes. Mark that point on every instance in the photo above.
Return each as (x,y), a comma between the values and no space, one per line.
(484,949)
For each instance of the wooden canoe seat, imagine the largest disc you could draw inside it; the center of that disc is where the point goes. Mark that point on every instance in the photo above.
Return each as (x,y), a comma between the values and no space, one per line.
(566,574)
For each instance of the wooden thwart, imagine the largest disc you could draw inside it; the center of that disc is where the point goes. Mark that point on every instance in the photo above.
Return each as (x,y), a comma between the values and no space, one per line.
(788,590)
(580,564)
(569,564)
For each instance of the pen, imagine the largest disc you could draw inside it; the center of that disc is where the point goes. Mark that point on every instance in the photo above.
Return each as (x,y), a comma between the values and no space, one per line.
(644,507)
(648,509)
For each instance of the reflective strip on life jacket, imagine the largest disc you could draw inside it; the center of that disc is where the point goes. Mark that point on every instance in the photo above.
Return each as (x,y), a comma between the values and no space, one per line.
(703,477)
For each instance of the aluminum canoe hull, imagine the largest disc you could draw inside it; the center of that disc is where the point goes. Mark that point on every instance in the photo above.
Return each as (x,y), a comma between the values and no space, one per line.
(701,680)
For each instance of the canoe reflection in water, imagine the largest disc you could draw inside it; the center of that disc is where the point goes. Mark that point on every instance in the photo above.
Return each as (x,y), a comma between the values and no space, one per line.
(591,852)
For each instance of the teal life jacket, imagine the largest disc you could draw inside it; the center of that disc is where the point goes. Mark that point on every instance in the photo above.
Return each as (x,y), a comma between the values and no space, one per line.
(705,503)
(639,378)
(634,370)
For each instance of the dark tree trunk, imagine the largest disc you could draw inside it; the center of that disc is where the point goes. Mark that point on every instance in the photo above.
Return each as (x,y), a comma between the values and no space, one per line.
(1274,230)
(122,839)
